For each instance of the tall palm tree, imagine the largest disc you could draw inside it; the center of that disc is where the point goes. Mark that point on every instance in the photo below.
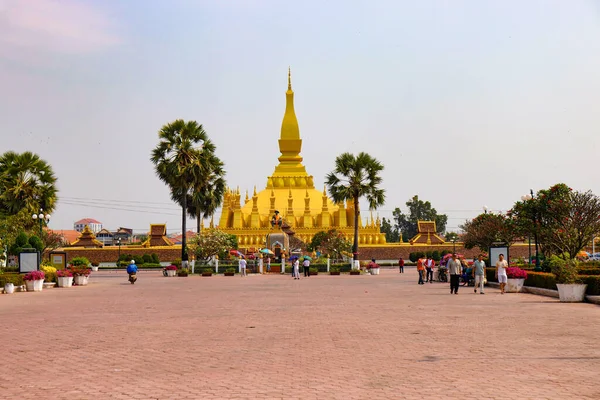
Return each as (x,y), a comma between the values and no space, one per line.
(355,177)
(206,192)
(177,162)
(26,182)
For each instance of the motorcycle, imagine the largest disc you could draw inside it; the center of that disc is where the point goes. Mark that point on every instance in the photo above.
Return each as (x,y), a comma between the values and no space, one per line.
(442,276)
(132,278)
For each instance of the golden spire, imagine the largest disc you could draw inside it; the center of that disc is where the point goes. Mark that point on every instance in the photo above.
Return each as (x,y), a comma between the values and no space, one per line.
(254,191)
(290,144)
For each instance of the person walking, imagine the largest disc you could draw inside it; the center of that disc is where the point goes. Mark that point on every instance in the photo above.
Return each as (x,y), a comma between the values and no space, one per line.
(479,273)
(420,270)
(401,265)
(306,267)
(243,266)
(296,269)
(268,264)
(501,266)
(454,269)
(429,264)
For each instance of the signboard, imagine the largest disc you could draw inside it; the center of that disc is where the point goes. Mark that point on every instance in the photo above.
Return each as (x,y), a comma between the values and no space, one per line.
(29,262)
(58,260)
(495,252)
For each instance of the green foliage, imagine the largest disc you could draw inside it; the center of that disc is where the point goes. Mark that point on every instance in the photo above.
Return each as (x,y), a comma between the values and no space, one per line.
(183,272)
(176,262)
(154,258)
(593,282)
(230,270)
(80,262)
(334,244)
(313,270)
(334,269)
(36,243)
(147,258)
(14,278)
(452,237)
(436,255)
(588,271)
(212,242)
(565,270)
(317,239)
(27,183)
(414,256)
(418,210)
(541,279)
(392,235)
(352,178)
(207,270)
(489,228)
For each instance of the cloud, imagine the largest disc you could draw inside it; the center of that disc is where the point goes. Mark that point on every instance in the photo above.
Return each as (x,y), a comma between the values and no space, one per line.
(54,26)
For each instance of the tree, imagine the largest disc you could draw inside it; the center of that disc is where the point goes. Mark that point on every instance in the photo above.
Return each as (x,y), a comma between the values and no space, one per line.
(451,236)
(206,192)
(26,183)
(391,232)
(418,210)
(178,162)
(335,244)
(562,220)
(489,228)
(317,239)
(213,242)
(297,244)
(355,177)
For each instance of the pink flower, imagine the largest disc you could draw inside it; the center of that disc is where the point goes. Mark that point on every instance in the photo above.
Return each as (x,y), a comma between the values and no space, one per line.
(34,276)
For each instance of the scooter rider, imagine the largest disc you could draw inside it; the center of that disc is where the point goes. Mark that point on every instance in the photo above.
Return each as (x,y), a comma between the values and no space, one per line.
(132,271)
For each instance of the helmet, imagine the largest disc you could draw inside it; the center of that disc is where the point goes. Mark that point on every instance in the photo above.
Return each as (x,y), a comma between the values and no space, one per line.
(133,261)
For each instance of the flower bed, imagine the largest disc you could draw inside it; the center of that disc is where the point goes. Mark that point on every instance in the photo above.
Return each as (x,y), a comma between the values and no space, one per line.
(34,276)
(516,273)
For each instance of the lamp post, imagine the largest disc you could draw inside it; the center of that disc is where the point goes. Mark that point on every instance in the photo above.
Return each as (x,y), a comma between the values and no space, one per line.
(119,244)
(528,197)
(42,218)
(485,209)
(454,239)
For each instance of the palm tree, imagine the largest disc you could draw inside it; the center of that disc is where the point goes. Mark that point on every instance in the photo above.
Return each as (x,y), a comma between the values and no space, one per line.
(26,182)
(178,162)
(353,178)
(206,193)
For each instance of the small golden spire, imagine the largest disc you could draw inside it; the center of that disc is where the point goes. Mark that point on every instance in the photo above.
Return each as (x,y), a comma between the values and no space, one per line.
(324,190)
(307,193)
(289,78)
(290,193)
(254,191)
(246,196)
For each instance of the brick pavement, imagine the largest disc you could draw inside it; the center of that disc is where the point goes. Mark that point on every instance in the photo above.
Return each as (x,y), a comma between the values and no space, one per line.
(271,337)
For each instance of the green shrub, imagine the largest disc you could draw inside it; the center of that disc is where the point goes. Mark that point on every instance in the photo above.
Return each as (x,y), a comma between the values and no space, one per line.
(183,272)
(36,243)
(230,270)
(589,271)
(413,257)
(80,261)
(565,270)
(436,256)
(334,269)
(207,271)
(543,280)
(10,269)
(177,262)
(139,260)
(313,270)
(147,258)
(593,282)
(154,258)
(16,279)
(50,277)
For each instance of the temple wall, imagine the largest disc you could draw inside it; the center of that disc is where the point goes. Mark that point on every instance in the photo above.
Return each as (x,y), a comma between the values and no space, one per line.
(394,251)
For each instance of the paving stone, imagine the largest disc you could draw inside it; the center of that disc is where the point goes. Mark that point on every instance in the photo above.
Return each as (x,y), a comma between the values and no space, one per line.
(272,337)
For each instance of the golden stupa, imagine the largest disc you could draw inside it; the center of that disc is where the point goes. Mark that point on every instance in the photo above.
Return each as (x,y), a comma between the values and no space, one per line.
(291,192)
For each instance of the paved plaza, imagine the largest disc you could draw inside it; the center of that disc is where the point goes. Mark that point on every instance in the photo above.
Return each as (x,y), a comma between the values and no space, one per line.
(272,337)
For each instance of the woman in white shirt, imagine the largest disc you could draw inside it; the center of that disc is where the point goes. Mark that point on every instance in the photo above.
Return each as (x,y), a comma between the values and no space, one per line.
(501,266)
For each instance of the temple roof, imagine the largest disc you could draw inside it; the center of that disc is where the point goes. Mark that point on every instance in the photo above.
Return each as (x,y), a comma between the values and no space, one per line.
(427,233)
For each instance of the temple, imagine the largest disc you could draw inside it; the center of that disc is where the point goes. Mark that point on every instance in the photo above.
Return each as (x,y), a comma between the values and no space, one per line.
(290,199)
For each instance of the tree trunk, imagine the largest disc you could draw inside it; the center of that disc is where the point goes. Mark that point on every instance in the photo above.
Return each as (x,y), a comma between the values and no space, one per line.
(184,255)
(356,216)
(198,225)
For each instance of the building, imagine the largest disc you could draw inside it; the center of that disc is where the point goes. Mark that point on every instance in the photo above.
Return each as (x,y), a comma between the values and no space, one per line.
(290,195)
(105,237)
(95,226)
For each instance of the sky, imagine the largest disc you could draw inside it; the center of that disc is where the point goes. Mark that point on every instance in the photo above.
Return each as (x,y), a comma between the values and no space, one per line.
(466,103)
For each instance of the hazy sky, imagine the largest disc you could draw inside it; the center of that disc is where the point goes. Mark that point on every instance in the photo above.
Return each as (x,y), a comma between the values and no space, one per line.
(467,103)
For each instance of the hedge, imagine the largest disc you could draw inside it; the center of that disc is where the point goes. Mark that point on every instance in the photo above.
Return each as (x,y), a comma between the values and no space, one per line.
(547,280)
(16,279)
(589,271)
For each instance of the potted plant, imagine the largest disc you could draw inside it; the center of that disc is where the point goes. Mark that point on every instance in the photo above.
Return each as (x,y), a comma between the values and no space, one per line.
(516,279)
(334,271)
(570,288)
(171,270)
(313,271)
(64,277)
(34,281)
(355,272)
(183,272)
(81,274)
(373,268)
(229,272)
(207,272)
(95,266)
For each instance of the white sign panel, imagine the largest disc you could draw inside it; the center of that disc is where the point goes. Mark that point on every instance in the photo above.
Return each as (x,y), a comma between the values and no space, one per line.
(495,255)
(28,262)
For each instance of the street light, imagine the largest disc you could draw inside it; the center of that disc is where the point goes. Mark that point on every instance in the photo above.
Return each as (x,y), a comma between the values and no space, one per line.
(485,209)
(119,244)
(528,197)
(42,218)
(453,240)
